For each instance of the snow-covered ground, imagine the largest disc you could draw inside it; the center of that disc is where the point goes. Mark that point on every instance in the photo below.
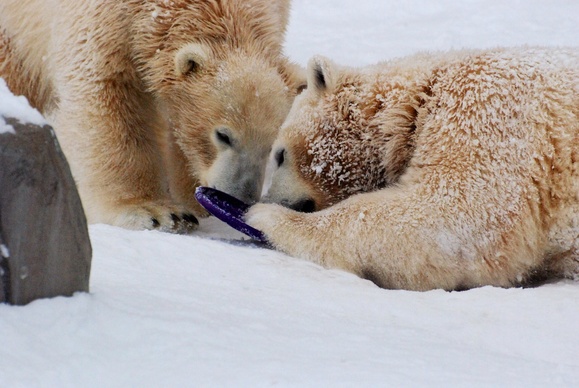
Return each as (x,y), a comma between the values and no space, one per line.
(16,107)
(209,310)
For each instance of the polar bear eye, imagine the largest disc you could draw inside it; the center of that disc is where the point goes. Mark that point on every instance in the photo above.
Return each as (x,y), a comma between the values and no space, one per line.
(301,88)
(280,157)
(223,137)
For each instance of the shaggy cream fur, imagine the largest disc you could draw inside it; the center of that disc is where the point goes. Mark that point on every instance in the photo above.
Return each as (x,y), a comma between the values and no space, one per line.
(150,98)
(450,170)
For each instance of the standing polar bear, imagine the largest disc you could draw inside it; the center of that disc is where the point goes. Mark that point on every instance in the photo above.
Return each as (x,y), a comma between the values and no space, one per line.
(150,98)
(448,171)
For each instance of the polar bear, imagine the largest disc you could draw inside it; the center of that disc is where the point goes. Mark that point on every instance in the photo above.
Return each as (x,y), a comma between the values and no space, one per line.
(151,98)
(444,170)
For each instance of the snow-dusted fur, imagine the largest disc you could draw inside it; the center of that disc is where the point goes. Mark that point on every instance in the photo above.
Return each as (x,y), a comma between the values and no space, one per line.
(150,98)
(466,166)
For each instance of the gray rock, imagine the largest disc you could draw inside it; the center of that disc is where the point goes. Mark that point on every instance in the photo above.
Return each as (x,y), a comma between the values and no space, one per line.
(45,249)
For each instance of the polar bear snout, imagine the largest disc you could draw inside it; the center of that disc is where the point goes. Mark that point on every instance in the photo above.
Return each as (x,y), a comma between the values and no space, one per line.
(238,170)
(247,189)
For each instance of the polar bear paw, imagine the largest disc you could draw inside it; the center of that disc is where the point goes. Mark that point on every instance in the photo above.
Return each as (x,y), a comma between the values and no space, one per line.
(265,217)
(156,216)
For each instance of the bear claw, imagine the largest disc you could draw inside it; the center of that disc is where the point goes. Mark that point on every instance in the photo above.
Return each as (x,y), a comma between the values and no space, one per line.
(157,216)
(190,218)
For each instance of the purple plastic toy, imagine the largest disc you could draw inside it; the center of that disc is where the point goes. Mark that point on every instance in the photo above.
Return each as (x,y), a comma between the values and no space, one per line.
(228,209)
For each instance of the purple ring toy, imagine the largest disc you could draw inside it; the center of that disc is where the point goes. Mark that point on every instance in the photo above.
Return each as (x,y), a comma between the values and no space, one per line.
(228,209)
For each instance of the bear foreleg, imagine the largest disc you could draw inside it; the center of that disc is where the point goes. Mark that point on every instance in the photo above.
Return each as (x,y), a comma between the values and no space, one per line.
(400,239)
(118,163)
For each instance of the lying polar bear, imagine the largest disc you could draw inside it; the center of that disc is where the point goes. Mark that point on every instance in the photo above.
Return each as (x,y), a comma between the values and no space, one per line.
(450,171)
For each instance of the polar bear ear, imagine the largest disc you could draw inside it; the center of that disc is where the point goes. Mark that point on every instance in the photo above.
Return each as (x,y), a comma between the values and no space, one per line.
(190,58)
(320,74)
(283,11)
(277,16)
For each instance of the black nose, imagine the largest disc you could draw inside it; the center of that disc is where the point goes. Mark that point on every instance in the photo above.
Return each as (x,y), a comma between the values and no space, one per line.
(305,206)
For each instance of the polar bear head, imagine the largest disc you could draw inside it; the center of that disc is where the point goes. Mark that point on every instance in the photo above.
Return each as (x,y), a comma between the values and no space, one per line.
(235,109)
(226,87)
(340,138)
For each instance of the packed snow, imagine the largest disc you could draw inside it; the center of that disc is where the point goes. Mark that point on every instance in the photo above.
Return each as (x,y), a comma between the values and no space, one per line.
(16,107)
(4,251)
(216,310)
